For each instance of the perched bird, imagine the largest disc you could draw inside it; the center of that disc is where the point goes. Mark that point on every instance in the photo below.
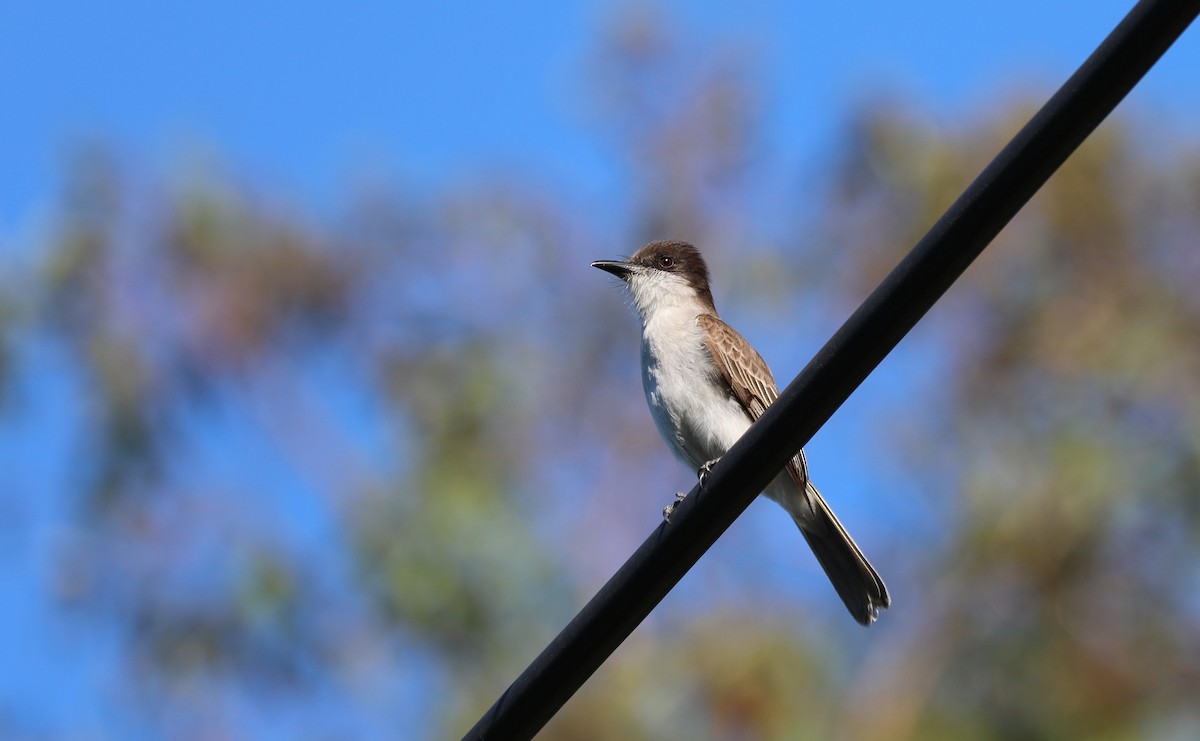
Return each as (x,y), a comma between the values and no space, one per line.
(705,384)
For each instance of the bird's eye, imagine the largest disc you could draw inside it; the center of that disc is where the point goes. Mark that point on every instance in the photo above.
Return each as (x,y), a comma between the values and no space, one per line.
(666,261)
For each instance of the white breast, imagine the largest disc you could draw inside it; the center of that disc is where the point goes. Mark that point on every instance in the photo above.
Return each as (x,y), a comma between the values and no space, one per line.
(688,399)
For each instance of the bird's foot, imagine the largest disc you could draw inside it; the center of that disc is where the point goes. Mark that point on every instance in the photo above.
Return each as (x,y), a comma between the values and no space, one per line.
(670,508)
(703,471)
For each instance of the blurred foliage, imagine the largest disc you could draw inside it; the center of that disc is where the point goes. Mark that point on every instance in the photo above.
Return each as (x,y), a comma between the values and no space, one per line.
(370,468)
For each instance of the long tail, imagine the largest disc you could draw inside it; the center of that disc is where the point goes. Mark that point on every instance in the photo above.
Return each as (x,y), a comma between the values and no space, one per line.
(856,581)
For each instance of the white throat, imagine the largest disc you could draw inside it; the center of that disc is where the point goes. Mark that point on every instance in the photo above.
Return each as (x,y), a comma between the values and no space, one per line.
(658,294)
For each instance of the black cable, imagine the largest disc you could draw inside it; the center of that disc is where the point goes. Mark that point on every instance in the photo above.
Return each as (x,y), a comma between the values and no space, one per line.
(842,364)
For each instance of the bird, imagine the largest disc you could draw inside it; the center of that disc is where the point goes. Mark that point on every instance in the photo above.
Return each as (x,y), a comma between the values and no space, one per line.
(705,385)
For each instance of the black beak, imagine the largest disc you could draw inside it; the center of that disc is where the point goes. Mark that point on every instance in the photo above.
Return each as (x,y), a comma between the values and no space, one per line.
(617,268)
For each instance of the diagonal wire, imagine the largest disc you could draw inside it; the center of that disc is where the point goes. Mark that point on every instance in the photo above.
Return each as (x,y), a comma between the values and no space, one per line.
(837,370)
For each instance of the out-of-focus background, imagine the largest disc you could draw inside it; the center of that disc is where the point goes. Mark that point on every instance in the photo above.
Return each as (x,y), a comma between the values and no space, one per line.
(316,424)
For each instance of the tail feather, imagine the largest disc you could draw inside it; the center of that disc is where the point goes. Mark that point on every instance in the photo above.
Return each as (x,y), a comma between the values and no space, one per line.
(856,581)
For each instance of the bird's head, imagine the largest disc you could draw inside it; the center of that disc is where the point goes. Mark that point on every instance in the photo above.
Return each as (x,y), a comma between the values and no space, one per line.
(663,275)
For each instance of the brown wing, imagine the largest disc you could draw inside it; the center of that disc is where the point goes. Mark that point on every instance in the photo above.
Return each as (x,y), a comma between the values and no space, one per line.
(748,378)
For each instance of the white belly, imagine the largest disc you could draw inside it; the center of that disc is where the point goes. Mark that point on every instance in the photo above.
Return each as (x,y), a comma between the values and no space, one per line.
(688,399)
(692,406)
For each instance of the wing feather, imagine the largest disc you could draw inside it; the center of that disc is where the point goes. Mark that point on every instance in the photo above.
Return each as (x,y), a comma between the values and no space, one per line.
(748,378)
(750,381)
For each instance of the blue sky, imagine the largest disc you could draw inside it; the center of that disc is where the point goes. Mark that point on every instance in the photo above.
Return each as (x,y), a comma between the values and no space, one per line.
(305,100)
